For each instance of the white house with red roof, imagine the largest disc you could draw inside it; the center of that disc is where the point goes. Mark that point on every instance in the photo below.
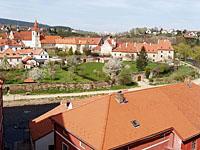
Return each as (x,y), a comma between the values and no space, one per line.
(78,43)
(39,55)
(161,51)
(108,45)
(9,43)
(13,57)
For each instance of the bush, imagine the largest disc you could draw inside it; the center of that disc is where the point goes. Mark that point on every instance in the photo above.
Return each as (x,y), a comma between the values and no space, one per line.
(147,72)
(125,77)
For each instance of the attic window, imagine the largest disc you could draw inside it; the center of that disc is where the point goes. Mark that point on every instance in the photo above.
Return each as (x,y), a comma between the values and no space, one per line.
(135,123)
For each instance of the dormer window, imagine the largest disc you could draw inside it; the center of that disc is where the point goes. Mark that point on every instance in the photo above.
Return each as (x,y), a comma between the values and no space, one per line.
(82,145)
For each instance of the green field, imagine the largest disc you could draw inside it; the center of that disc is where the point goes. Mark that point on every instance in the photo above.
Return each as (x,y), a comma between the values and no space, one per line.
(88,72)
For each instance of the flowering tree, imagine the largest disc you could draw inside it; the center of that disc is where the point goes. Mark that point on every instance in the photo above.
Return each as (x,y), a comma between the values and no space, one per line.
(36,74)
(112,68)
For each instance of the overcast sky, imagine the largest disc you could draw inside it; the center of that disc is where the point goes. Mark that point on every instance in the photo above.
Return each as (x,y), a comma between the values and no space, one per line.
(106,15)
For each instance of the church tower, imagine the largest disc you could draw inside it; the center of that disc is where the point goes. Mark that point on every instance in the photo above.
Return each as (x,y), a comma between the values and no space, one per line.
(36,36)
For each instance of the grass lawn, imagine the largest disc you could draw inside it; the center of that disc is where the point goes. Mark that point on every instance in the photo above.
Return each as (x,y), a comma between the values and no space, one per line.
(13,76)
(63,76)
(91,71)
(133,67)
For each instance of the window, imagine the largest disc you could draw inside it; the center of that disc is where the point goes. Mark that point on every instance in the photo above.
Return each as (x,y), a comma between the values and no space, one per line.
(82,145)
(169,51)
(51,147)
(153,55)
(65,146)
(41,56)
(161,56)
(194,145)
(161,51)
(45,56)
(135,123)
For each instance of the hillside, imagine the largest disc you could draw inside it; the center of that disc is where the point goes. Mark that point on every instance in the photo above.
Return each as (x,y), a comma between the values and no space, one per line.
(19,23)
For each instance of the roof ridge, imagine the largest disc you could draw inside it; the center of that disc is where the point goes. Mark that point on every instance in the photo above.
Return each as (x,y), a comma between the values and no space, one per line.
(103,140)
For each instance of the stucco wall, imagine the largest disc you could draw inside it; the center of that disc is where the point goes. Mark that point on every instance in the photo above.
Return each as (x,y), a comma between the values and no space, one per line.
(44,142)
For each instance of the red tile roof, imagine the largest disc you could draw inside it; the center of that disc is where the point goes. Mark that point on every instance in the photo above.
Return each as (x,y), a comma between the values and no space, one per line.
(9,42)
(23,35)
(150,48)
(29,80)
(42,125)
(79,40)
(9,53)
(106,124)
(49,39)
(30,51)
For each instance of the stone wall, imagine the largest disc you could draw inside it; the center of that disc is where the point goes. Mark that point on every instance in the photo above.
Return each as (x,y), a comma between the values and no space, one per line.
(60,86)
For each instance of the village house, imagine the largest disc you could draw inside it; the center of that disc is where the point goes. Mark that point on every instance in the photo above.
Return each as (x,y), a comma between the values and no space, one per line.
(13,57)
(162,51)
(107,46)
(78,43)
(156,118)
(12,44)
(39,55)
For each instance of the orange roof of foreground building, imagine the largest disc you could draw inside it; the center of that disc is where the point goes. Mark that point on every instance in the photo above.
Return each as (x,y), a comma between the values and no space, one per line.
(42,125)
(106,124)
(129,47)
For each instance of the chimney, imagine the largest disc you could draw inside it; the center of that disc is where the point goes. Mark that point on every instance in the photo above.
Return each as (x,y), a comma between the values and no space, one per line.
(120,97)
(188,82)
(69,105)
(135,44)
(126,44)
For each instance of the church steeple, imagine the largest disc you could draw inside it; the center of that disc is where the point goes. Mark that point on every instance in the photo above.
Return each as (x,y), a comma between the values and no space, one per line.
(36,36)
(36,26)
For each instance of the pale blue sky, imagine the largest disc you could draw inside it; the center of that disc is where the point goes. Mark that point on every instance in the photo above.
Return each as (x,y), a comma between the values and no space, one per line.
(106,15)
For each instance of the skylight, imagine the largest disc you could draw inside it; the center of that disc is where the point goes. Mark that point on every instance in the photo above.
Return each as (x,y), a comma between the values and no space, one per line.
(135,123)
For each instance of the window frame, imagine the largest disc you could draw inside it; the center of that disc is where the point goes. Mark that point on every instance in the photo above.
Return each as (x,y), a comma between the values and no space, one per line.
(64,144)
(82,146)
(194,145)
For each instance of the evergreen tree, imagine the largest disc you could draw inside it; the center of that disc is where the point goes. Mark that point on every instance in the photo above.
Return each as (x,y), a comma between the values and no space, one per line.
(70,52)
(142,60)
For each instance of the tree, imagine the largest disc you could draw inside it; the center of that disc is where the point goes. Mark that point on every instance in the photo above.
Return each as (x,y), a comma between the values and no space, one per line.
(142,60)
(87,50)
(5,64)
(183,51)
(51,69)
(125,77)
(72,62)
(112,68)
(70,52)
(36,74)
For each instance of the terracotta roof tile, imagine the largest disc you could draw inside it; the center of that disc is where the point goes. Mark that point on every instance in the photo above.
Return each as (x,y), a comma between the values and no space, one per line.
(42,125)
(79,40)
(157,109)
(129,47)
